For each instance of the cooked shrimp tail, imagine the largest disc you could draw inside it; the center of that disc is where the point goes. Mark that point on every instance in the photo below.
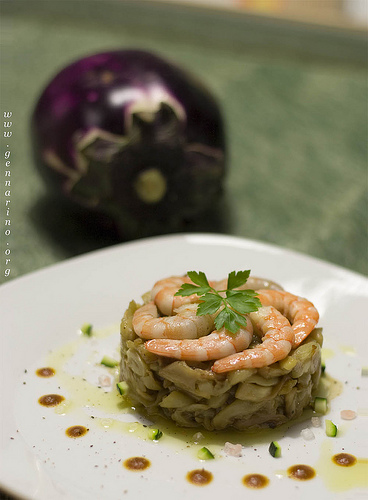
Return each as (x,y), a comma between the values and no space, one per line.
(277,342)
(301,313)
(163,294)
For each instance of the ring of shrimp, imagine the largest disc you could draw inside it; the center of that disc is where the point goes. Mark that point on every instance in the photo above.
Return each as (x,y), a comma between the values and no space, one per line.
(185,324)
(163,291)
(301,313)
(277,342)
(216,345)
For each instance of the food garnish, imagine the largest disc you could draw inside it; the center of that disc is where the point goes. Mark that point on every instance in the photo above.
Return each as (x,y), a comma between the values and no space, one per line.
(348,414)
(109,362)
(307,434)
(331,428)
(275,449)
(122,387)
(316,421)
(205,454)
(86,329)
(320,405)
(230,305)
(233,450)
(155,434)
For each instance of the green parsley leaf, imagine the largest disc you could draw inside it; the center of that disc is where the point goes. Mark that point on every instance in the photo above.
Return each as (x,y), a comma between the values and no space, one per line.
(210,304)
(189,289)
(229,310)
(237,301)
(235,280)
(232,321)
(198,278)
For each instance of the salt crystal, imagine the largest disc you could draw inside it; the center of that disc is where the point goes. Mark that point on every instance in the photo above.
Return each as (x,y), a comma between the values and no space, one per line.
(316,421)
(307,434)
(348,414)
(197,437)
(104,381)
(234,450)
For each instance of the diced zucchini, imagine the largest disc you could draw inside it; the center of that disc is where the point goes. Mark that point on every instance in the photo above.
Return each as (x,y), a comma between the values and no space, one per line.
(323,367)
(320,405)
(205,454)
(122,388)
(155,434)
(331,428)
(86,329)
(275,449)
(109,362)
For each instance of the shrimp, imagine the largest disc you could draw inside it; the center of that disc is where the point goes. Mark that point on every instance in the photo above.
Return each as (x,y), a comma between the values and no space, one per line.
(253,283)
(184,324)
(163,291)
(218,344)
(163,294)
(256,283)
(301,313)
(277,342)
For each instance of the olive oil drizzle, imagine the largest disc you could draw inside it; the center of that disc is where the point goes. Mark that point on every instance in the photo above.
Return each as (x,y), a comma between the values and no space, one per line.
(197,477)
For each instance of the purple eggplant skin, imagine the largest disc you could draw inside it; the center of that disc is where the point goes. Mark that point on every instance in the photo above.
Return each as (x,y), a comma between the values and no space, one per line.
(131,135)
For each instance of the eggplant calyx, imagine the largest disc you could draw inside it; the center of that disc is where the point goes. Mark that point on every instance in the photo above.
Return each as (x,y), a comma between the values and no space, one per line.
(151,185)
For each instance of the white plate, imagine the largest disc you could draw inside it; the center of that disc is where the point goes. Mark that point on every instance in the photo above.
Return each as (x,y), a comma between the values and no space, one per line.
(43,311)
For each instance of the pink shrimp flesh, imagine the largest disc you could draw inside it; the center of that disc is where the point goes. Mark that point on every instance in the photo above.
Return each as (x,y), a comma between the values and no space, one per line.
(301,313)
(218,344)
(163,294)
(184,324)
(277,342)
(253,283)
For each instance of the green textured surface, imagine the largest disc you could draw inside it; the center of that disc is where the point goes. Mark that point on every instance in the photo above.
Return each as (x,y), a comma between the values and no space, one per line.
(294,100)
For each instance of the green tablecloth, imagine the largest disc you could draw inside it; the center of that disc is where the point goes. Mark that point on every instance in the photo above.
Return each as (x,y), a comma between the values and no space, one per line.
(294,99)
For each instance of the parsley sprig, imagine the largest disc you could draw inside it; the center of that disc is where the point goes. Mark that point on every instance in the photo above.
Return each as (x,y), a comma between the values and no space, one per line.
(230,308)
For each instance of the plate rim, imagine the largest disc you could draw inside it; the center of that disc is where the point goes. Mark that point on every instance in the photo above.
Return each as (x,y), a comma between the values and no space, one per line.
(188,238)
(185,237)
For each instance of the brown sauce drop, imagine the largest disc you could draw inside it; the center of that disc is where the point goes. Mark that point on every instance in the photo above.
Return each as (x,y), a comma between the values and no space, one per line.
(199,477)
(255,481)
(76,431)
(301,472)
(45,372)
(51,400)
(344,459)
(137,463)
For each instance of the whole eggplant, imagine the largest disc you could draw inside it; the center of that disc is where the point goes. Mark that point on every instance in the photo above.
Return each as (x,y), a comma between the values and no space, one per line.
(131,135)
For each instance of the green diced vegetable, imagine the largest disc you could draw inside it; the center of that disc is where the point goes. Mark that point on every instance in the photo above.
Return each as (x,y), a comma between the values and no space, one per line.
(275,449)
(205,454)
(320,405)
(109,362)
(122,388)
(323,367)
(86,329)
(155,434)
(331,428)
